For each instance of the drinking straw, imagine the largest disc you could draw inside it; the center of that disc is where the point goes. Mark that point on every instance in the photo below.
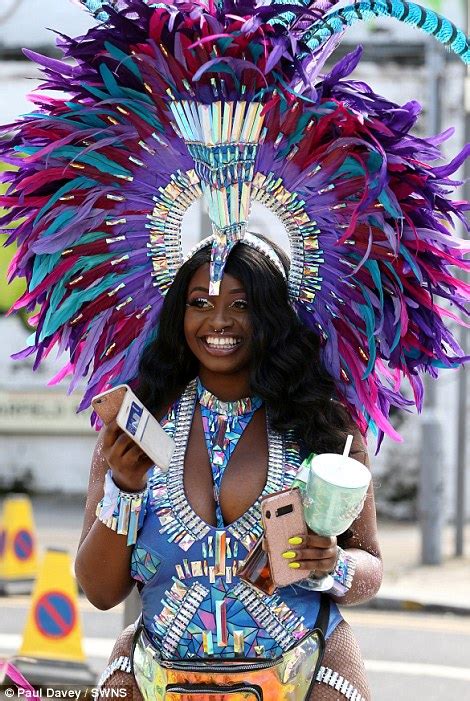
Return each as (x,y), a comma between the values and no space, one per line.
(348,445)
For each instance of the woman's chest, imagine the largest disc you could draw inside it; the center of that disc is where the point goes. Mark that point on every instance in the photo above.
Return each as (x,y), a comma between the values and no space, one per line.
(183,500)
(241,478)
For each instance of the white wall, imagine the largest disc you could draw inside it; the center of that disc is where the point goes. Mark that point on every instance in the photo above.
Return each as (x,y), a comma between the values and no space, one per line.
(33,21)
(47,438)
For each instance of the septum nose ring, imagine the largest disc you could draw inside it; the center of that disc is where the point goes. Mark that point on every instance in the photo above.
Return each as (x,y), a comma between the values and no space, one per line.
(221,331)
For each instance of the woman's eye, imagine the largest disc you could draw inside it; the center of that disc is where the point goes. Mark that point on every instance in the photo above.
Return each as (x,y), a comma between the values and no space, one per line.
(200,303)
(240,304)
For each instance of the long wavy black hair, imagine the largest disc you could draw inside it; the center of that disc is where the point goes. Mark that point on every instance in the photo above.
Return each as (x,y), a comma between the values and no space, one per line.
(285,370)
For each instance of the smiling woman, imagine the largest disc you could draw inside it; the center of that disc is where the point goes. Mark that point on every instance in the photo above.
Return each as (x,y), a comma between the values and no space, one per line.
(258,407)
(217,328)
(250,362)
(275,356)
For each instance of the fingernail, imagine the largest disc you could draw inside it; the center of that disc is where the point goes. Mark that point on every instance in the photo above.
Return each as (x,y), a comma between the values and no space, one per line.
(296,540)
(294,565)
(289,554)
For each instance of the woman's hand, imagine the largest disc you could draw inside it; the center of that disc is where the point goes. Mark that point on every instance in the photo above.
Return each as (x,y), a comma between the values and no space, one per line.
(313,553)
(127,462)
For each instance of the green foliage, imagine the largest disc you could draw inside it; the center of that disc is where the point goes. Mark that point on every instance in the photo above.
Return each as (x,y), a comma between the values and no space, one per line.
(9,293)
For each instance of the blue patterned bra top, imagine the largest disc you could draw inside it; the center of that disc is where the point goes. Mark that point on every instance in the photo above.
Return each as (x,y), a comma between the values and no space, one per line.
(193,603)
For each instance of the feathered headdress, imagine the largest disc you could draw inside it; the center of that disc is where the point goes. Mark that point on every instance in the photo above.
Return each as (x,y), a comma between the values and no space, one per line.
(166,103)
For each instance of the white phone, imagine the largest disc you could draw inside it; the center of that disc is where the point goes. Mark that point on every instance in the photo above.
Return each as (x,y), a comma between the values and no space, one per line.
(121,403)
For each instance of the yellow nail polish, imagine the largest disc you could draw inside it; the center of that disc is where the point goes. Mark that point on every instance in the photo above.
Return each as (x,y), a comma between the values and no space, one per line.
(294,565)
(296,540)
(289,554)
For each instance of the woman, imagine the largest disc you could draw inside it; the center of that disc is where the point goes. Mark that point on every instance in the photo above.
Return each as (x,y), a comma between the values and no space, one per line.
(169,103)
(246,342)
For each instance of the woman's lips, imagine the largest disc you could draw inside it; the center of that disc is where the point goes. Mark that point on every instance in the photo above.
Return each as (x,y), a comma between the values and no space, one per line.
(221,345)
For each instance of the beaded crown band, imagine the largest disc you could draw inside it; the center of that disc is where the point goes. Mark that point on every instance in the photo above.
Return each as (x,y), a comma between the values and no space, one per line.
(170,102)
(252,241)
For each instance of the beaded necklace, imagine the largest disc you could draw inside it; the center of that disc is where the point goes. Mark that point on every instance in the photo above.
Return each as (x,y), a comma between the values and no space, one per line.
(223,423)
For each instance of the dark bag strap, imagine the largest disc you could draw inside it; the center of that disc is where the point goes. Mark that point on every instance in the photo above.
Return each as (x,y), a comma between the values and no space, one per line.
(323,616)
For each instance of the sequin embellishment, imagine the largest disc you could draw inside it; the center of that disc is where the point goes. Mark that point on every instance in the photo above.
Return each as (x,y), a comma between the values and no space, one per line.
(224,424)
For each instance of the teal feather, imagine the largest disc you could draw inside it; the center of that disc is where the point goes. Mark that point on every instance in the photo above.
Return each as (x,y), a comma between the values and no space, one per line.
(116,90)
(397,336)
(110,82)
(96,92)
(88,118)
(256,51)
(374,269)
(410,13)
(91,158)
(76,184)
(95,7)
(27,150)
(59,222)
(43,265)
(224,43)
(61,311)
(411,262)
(395,275)
(123,58)
(141,111)
(384,198)
(439,364)
(367,314)
(350,167)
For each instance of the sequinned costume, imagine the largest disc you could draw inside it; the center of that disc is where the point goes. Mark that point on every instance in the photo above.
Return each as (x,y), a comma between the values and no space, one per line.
(193,602)
(167,103)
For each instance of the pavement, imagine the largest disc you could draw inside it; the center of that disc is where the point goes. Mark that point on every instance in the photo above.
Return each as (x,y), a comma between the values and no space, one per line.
(407,585)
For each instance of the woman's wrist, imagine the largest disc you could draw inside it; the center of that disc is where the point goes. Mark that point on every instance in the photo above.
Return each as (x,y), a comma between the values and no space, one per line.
(343,573)
(122,511)
(366,580)
(128,487)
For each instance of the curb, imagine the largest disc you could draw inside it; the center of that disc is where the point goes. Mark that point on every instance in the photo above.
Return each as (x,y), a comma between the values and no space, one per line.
(388,603)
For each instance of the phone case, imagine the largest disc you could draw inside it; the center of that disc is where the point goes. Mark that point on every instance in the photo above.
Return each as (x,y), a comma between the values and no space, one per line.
(283,517)
(122,404)
(108,403)
(145,430)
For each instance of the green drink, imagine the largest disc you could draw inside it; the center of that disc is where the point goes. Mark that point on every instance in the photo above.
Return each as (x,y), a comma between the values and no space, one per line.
(335,493)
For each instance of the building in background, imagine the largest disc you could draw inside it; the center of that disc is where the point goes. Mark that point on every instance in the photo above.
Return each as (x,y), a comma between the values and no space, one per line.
(39,433)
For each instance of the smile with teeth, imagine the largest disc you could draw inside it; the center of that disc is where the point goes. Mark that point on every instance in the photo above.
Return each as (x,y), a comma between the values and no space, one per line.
(222,343)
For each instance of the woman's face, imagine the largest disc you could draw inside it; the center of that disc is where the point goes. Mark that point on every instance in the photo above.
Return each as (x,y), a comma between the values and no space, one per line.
(218,328)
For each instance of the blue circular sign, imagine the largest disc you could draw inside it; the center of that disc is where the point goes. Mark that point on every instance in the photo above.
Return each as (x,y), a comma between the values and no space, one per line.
(55,615)
(23,545)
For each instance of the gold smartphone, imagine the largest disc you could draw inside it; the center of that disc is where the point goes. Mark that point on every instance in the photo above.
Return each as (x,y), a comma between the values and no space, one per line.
(283,517)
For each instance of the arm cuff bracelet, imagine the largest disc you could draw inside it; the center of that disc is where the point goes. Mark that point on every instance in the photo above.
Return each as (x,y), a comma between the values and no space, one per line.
(343,573)
(123,512)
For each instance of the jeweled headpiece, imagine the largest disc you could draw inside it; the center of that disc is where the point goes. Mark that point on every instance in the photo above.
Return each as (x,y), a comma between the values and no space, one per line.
(166,103)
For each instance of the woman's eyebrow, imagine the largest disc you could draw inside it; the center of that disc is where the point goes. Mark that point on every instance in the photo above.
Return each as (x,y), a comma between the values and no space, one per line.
(199,289)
